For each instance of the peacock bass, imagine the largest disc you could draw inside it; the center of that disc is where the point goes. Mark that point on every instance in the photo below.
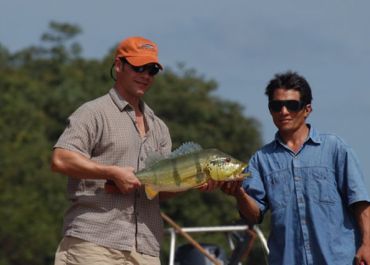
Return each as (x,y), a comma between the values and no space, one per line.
(188,167)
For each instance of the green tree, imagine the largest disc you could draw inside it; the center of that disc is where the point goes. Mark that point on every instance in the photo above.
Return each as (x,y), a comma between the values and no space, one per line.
(32,199)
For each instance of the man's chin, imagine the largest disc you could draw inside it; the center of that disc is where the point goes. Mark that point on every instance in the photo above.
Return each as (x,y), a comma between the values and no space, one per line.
(140,92)
(285,128)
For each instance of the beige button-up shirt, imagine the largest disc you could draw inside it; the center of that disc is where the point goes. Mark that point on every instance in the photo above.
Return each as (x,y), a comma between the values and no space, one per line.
(104,130)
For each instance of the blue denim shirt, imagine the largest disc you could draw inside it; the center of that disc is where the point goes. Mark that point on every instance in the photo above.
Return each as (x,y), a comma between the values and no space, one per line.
(309,194)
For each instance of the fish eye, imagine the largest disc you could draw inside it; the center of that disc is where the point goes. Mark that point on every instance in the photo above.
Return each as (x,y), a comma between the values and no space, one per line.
(227,159)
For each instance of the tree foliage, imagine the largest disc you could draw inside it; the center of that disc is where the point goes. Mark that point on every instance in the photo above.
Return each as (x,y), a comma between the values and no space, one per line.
(42,85)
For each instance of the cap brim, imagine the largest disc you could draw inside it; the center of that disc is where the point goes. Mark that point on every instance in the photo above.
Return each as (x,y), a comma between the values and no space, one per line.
(139,61)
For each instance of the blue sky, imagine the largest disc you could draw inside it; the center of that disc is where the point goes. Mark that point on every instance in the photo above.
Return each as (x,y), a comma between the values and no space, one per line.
(239,43)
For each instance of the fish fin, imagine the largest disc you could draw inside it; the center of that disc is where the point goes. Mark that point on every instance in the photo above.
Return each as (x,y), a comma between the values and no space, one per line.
(153,158)
(186,148)
(243,176)
(239,177)
(201,178)
(198,186)
(246,174)
(150,192)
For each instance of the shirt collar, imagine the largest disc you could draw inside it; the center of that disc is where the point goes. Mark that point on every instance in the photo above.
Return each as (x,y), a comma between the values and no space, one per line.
(122,104)
(313,136)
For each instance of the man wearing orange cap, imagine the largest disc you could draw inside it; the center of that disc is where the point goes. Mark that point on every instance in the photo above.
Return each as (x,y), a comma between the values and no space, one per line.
(105,142)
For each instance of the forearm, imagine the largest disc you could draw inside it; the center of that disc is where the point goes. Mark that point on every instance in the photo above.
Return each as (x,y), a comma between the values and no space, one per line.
(248,207)
(76,165)
(362,213)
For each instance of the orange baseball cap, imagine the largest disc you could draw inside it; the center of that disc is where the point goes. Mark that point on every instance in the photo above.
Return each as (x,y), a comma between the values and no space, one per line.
(138,51)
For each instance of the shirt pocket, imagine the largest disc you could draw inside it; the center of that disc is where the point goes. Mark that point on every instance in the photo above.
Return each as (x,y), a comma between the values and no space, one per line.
(153,144)
(278,189)
(322,185)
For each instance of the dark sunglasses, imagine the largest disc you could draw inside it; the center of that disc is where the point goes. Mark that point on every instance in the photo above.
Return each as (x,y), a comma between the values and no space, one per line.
(291,105)
(151,68)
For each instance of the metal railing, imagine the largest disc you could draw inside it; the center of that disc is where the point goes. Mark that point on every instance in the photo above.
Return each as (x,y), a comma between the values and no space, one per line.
(173,232)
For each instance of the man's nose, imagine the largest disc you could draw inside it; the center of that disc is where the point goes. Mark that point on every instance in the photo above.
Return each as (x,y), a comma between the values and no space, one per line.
(284,110)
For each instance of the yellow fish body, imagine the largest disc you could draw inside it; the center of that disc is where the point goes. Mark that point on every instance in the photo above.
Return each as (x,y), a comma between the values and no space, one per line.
(188,167)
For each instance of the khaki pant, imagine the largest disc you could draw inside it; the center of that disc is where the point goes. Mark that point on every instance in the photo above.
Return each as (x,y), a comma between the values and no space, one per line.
(75,251)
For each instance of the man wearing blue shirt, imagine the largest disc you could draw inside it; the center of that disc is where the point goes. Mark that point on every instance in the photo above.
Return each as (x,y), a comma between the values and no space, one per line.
(312,184)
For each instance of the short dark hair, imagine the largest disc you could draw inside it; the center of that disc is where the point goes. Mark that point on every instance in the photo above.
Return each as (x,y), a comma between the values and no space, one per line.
(290,80)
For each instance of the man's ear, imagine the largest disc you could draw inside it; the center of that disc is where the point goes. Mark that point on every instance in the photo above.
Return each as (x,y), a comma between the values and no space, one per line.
(308,109)
(117,65)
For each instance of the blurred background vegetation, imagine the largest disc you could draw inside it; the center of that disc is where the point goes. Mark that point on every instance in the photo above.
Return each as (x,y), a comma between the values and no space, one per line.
(42,85)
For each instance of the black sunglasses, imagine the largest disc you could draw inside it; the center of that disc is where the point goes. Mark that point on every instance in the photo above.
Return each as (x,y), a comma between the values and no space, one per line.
(151,68)
(291,105)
